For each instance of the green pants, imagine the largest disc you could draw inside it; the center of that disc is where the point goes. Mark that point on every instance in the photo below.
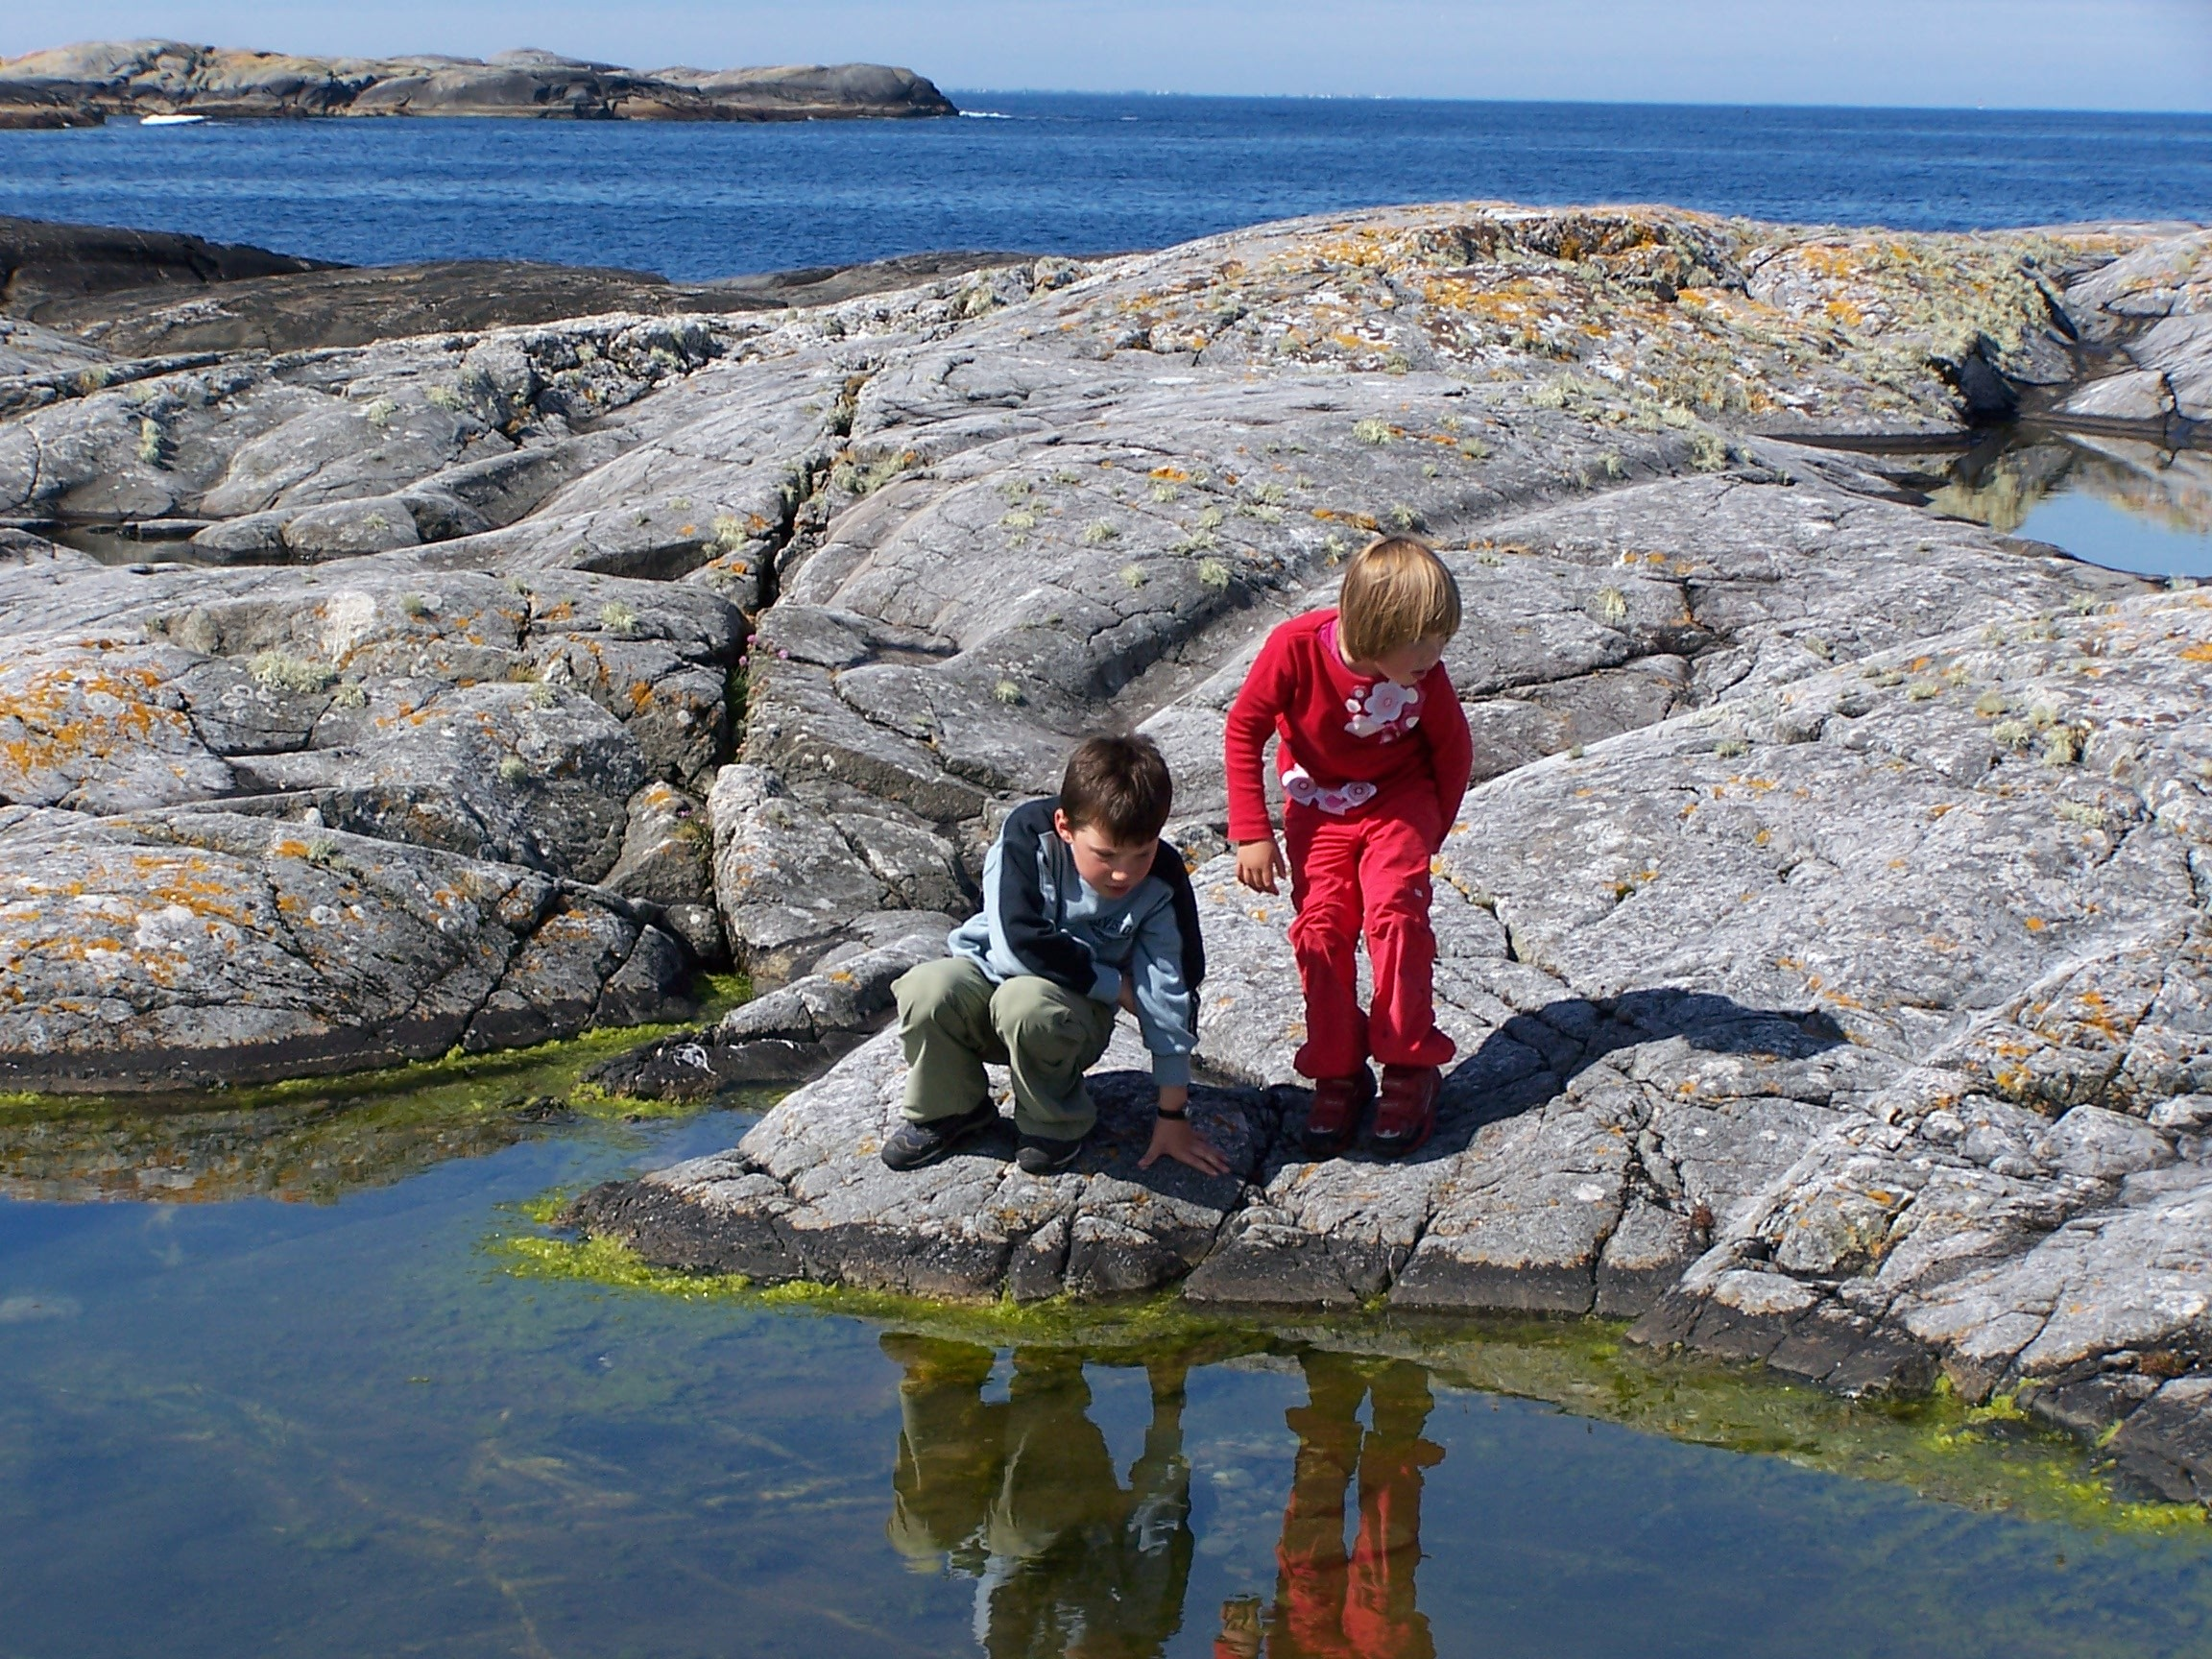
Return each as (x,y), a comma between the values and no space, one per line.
(952,1019)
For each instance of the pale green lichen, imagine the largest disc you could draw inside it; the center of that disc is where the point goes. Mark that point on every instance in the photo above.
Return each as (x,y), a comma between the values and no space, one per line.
(280,671)
(378,412)
(1372,433)
(149,442)
(1610,605)
(444,397)
(1008,694)
(1134,576)
(1100,531)
(1708,451)
(1213,574)
(514,771)
(618,619)
(1017,519)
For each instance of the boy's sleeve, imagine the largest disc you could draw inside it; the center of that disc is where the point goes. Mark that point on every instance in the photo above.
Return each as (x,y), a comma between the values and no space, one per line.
(1259,701)
(1451,748)
(1014,907)
(1166,1001)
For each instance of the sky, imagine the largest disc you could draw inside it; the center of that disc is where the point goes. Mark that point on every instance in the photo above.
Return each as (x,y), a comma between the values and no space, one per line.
(2152,54)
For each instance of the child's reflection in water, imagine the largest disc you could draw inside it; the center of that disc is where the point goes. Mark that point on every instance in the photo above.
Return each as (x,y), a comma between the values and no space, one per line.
(1023,1495)
(1329,1604)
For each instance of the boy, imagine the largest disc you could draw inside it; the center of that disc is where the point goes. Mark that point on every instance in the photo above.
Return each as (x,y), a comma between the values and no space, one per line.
(1085,911)
(1374,759)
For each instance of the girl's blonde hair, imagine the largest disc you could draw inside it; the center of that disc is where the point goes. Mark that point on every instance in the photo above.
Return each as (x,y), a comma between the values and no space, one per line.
(1396,593)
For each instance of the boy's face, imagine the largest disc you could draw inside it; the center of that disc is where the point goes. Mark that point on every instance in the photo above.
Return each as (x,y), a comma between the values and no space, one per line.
(1405,664)
(1105,867)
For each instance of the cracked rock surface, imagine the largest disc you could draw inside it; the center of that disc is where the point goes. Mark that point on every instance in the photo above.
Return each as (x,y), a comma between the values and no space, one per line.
(1824,943)
(1797,796)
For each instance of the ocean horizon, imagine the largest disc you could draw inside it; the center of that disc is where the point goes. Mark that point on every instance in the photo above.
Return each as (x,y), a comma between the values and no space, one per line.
(1075,173)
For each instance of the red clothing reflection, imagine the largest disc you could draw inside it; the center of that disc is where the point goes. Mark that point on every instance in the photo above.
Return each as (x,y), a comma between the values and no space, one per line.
(1330,1603)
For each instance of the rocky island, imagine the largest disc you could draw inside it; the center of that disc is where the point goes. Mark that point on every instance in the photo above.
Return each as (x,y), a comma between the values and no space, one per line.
(1827,944)
(85,85)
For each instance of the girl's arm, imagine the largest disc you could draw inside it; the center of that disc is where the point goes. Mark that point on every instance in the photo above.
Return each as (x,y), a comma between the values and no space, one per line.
(1260,700)
(1451,748)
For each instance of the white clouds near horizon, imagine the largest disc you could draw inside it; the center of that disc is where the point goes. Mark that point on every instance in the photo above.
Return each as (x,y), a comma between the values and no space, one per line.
(2152,54)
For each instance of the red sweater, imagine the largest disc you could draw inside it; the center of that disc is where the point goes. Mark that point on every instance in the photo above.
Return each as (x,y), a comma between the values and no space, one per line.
(1339,729)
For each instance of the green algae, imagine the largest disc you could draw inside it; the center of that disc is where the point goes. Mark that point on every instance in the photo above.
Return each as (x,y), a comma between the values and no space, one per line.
(1988,1457)
(315,1138)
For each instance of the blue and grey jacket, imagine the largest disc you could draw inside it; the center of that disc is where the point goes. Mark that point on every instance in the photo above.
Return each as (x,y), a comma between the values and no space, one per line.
(1040,917)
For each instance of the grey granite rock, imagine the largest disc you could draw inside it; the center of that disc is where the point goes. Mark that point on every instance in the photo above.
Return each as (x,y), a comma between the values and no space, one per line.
(1825,950)
(805,1195)
(171,951)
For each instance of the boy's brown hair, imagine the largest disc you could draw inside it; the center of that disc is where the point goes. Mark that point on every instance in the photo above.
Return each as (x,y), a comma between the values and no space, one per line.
(1119,787)
(1396,593)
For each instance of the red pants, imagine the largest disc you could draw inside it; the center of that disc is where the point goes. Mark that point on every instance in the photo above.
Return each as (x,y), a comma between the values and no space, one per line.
(1365,870)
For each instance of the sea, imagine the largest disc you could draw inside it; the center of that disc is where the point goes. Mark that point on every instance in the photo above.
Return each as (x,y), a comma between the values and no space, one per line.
(1072,173)
(303,1371)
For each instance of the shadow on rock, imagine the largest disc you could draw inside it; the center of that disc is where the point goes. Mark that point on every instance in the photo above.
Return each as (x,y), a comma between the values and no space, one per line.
(1527,1062)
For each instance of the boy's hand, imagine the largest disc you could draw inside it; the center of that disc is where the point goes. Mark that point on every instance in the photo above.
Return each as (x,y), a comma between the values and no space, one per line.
(1259,865)
(1174,1138)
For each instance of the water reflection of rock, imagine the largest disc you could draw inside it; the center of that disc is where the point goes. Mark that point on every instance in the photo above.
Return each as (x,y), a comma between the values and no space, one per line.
(1022,1495)
(2001,486)
(313,1152)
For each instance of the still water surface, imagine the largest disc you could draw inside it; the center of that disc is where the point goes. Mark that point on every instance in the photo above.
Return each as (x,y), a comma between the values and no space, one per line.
(2118,502)
(275,1379)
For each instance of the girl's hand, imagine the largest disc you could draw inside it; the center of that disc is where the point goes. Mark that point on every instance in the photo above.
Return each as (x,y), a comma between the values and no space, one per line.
(1259,865)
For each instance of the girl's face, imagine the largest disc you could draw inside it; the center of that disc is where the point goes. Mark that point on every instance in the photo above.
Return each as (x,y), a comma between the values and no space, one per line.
(1402,666)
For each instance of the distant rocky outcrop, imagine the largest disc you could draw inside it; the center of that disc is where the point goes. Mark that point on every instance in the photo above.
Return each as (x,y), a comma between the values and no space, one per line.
(81,84)
(1826,942)
(141,294)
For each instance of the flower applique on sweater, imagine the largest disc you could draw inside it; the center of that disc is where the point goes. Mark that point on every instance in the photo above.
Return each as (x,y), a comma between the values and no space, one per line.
(1387,710)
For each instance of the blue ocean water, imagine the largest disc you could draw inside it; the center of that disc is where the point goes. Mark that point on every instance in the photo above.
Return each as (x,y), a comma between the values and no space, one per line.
(1065,173)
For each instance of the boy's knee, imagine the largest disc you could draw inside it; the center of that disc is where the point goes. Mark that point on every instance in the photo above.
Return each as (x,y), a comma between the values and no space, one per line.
(1032,1007)
(929,988)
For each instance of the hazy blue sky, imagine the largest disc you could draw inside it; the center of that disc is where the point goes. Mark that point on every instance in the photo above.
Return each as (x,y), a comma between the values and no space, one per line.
(2047,54)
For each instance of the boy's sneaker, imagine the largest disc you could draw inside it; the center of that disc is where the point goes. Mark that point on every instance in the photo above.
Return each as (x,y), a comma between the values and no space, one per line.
(1406,1116)
(914,1145)
(1042,1155)
(1335,1116)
